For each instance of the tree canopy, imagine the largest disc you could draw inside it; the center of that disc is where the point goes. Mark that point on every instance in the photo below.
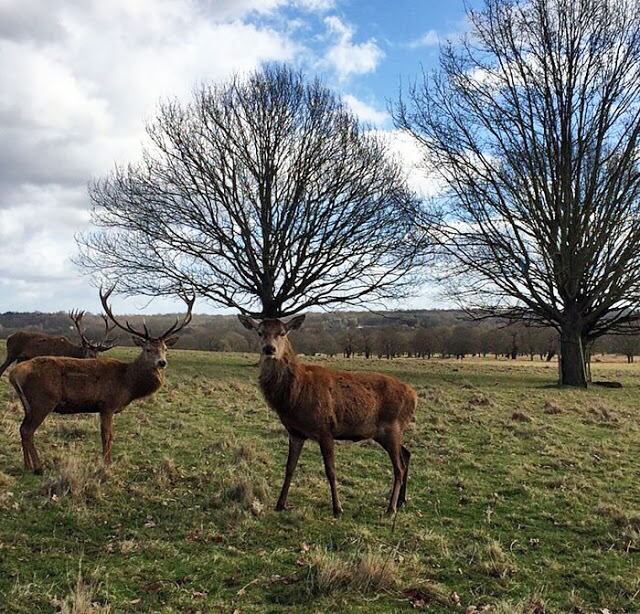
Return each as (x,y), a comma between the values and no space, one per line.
(532,125)
(264,194)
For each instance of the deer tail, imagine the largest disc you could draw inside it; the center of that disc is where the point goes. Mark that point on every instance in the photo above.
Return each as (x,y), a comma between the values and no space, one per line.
(23,397)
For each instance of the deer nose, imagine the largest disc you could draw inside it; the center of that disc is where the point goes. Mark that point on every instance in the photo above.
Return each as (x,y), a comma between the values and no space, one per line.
(269,350)
(162,363)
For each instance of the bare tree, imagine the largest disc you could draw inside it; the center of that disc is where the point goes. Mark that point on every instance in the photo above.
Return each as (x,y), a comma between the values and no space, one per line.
(366,342)
(627,345)
(424,342)
(264,194)
(532,126)
(462,340)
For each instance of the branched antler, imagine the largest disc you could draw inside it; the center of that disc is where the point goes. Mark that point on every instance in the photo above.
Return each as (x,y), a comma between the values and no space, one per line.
(175,328)
(76,316)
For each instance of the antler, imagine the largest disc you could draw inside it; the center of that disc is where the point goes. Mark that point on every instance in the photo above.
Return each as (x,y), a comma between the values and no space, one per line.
(176,327)
(76,316)
(127,327)
(107,342)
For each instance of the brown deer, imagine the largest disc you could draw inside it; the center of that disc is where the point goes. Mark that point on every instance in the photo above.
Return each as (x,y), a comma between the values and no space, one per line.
(314,402)
(25,345)
(99,385)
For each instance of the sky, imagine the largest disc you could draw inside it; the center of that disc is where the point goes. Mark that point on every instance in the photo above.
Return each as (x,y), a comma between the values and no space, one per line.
(78,81)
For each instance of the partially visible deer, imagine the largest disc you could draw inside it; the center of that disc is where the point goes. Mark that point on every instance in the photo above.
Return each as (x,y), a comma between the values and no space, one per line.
(314,402)
(25,345)
(99,385)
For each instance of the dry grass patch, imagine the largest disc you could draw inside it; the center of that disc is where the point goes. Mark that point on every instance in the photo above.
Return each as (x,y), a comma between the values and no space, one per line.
(551,408)
(533,605)
(429,541)
(627,524)
(275,429)
(242,489)
(431,394)
(430,593)
(72,429)
(521,416)
(248,452)
(493,560)
(6,480)
(77,478)
(367,573)
(480,399)
(10,420)
(167,473)
(81,600)
(602,415)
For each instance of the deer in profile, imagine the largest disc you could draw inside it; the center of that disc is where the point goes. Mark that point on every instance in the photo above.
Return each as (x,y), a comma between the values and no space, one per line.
(99,385)
(314,402)
(25,345)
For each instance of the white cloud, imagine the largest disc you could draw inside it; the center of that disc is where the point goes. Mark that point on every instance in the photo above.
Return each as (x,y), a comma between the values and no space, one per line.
(347,57)
(365,112)
(36,234)
(428,39)
(410,154)
(77,82)
(316,5)
(79,79)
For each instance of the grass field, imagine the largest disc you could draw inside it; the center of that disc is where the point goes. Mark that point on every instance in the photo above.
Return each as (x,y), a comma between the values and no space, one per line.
(523,498)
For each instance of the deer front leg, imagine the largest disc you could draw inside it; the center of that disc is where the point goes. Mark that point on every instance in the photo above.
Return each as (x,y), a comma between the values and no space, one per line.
(295,447)
(327,447)
(390,439)
(406,456)
(106,430)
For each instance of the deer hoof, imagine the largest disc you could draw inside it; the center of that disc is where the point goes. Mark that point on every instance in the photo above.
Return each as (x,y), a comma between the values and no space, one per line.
(280,507)
(337,513)
(38,471)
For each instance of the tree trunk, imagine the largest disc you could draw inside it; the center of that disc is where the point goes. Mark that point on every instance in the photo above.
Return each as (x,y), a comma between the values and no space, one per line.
(573,369)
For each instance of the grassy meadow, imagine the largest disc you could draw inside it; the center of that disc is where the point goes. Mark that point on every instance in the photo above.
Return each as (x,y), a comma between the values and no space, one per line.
(523,498)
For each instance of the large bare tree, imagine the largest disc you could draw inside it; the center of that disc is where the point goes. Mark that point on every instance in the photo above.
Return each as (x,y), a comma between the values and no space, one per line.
(532,124)
(264,194)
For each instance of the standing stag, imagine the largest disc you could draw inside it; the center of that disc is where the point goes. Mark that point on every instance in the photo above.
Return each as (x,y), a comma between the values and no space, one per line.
(99,385)
(25,345)
(323,404)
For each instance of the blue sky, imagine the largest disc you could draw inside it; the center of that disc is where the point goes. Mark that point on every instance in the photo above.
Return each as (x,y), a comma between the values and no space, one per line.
(78,80)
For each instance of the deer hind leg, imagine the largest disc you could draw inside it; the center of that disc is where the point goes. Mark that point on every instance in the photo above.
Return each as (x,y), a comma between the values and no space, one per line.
(28,427)
(32,420)
(327,449)
(406,456)
(391,441)
(295,447)
(106,432)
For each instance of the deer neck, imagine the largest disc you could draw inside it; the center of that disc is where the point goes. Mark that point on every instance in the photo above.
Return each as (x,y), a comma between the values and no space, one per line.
(143,379)
(278,377)
(77,351)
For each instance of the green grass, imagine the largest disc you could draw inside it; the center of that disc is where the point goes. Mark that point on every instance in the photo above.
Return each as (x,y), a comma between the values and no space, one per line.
(522,496)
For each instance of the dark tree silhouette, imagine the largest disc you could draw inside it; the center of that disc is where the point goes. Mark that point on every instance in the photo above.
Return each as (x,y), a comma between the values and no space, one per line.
(264,194)
(532,126)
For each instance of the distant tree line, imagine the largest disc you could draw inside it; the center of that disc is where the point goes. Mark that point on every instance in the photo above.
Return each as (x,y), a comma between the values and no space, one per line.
(419,334)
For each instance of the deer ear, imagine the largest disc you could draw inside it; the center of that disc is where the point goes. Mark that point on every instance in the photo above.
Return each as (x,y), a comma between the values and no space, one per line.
(138,341)
(248,322)
(295,323)
(171,341)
